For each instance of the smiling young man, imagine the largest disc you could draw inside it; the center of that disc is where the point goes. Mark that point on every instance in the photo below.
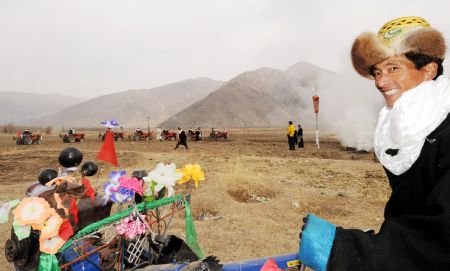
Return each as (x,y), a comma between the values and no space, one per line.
(412,142)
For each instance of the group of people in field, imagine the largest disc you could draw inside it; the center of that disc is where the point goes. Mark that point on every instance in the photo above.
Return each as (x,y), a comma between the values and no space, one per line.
(295,136)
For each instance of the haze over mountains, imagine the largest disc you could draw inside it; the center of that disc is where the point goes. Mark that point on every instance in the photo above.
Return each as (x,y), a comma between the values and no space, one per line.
(17,106)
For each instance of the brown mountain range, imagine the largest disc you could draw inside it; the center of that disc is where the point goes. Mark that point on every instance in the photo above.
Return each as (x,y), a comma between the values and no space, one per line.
(131,108)
(264,97)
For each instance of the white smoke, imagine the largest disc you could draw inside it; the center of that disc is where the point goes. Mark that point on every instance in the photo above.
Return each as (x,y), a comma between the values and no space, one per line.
(349,106)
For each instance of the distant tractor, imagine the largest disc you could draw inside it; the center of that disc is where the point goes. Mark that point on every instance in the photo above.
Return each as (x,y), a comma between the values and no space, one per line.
(72,137)
(218,135)
(167,135)
(195,135)
(117,136)
(140,135)
(28,138)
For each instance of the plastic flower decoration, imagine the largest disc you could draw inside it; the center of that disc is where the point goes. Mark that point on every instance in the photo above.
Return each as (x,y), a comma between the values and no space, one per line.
(165,176)
(132,184)
(50,227)
(32,210)
(115,176)
(132,226)
(51,245)
(116,193)
(114,190)
(5,208)
(193,172)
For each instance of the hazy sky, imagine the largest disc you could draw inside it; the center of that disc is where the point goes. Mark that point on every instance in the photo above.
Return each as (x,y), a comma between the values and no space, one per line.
(89,48)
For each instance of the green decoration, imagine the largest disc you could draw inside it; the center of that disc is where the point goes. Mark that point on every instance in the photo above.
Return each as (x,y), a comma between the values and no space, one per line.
(48,262)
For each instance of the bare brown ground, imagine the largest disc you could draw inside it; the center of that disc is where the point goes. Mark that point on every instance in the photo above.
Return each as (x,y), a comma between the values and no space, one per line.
(260,190)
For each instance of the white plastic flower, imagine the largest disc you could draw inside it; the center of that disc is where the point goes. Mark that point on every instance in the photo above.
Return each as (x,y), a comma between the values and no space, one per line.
(164,176)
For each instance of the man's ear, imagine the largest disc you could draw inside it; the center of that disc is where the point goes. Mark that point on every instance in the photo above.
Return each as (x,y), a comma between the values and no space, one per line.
(430,70)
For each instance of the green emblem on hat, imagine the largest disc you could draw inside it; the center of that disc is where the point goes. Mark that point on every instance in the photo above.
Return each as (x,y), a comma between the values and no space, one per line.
(392,33)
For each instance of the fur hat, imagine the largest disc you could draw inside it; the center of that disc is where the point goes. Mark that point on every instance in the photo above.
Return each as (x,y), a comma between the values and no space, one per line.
(399,36)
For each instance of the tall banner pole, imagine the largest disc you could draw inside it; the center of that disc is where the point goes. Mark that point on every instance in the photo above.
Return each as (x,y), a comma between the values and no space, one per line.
(317,132)
(316,110)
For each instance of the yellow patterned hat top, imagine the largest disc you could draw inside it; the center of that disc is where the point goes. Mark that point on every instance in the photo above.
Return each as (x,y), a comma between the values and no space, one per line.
(397,28)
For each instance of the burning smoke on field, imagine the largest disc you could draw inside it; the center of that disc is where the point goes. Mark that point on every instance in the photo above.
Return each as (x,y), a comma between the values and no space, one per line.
(349,107)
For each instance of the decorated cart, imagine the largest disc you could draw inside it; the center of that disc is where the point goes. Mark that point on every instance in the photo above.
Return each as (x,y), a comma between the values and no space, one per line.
(64,224)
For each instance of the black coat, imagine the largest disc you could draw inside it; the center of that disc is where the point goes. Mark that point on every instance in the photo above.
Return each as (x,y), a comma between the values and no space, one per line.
(416,232)
(182,136)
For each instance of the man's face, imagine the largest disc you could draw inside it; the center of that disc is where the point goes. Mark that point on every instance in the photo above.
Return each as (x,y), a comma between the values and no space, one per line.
(396,75)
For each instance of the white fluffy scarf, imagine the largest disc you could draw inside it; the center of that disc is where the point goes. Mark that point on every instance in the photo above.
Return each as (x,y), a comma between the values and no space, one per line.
(406,125)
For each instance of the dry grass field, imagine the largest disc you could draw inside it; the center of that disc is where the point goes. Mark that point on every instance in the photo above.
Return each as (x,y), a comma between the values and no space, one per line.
(258,190)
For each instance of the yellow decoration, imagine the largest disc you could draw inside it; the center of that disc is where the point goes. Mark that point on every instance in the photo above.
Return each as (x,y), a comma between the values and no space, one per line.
(397,28)
(197,174)
(193,172)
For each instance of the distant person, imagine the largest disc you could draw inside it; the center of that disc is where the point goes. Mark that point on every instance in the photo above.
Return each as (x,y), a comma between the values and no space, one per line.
(158,132)
(198,134)
(290,136)
(295,138)
(71,131)
(181,138)
(300,136)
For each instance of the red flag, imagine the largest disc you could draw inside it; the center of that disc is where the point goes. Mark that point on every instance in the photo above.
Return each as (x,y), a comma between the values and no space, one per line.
(108,152)
(316,103)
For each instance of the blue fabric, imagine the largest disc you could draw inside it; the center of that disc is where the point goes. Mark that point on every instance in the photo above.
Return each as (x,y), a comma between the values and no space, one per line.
(317,240)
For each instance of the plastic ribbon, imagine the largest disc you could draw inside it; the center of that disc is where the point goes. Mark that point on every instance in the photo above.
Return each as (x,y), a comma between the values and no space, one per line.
(191,234)
(48,262)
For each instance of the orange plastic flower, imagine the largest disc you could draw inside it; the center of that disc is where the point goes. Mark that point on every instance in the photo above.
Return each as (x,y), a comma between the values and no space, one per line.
(51,226)
(51,245)
(32,210)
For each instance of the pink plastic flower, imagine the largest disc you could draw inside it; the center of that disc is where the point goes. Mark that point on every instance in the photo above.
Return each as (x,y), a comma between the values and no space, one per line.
(132,226)
(132,184)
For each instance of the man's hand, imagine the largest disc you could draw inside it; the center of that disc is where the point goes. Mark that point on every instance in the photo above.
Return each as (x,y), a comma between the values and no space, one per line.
(317,236)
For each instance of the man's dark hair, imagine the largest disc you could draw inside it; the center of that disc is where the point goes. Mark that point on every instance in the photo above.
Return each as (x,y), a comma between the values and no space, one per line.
(421,60)
(290,122)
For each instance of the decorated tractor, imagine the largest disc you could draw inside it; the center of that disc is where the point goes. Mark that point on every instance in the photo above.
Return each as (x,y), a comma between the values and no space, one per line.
(64,224)
(218,135)
(140,135)
(168,135)
(72,137)
(27,138)
(117,136)
(195,135)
